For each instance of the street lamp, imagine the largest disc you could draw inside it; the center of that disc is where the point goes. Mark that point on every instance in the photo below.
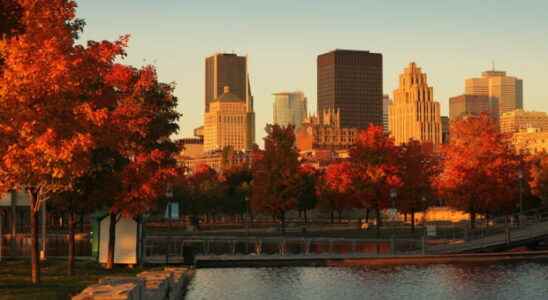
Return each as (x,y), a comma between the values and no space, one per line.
(393,195)
(520,176)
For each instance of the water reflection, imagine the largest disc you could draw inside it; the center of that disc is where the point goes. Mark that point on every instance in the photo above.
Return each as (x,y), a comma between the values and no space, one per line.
(483,281)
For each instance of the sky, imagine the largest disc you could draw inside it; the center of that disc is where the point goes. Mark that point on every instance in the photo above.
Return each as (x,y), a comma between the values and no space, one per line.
(450,40)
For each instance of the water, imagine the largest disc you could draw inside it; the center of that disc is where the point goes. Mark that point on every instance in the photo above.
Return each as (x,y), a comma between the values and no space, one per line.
(485,281)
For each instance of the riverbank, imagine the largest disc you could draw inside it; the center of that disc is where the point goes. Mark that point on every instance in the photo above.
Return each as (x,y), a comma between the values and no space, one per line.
(15,278)
(356,260)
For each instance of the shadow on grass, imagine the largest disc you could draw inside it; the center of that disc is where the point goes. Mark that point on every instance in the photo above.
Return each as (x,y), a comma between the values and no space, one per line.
(15,282)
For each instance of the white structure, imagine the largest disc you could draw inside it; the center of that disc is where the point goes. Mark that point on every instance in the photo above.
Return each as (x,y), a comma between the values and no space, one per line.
(126,248)
(289,109)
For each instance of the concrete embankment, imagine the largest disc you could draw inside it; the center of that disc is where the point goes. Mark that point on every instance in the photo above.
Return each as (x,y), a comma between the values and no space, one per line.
(324,261)
(167,284)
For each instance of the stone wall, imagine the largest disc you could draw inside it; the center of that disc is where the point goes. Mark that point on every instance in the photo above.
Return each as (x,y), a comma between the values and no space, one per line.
(167,284)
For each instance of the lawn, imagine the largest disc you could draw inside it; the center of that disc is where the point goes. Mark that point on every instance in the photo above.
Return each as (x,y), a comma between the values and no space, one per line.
(15,279)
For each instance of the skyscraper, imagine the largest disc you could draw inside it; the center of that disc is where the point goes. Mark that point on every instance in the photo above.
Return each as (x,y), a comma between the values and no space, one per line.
(289,108)
(466,105)
(505,93)
(386,101)
(228,123)
(414,113)
(350,82)
(225,69)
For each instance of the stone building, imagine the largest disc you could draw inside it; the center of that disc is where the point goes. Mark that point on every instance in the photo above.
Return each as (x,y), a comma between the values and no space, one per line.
(325,133)
(414,114)
(531,140)
(517,120)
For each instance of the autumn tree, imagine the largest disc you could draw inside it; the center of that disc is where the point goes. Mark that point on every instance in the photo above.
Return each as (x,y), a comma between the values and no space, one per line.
(335,188)
(417,167)
(538,181)
(306,190)
(48,104)
(479,170)
(237,180)
(275,173)
(374,167)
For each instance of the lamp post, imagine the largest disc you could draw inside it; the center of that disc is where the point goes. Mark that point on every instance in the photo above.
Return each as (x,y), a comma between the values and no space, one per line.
(393,195)
(520,176)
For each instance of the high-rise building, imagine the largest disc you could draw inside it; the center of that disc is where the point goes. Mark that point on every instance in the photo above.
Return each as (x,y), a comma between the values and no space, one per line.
(505,93)
(445,124)
(228,123)
(289,109)
(386,101)
(414,113)
(226,69)
(350,82)
(531,140)
(468,105)
(517,120)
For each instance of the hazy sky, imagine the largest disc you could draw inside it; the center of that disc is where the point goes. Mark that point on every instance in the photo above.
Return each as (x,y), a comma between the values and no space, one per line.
(450,40)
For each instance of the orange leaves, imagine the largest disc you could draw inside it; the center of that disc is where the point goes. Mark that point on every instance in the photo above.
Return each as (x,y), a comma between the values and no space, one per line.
(479,168)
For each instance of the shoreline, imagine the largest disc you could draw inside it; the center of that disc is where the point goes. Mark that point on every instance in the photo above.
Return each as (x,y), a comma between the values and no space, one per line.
(316,261)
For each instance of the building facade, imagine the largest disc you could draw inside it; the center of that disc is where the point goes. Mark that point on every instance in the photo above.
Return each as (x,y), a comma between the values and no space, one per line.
(468,105)
(445,126)
(414,114)
(289,109)
(531,140)
(505,92)
(517,120)
(325,132)
(350,82)
(386,101)
(228,123)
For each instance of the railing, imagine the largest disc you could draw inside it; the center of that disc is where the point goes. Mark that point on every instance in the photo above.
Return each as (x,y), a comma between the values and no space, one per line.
(160,249)
(57,245)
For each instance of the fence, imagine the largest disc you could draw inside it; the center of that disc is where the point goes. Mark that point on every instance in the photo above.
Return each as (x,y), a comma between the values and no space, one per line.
(56,245)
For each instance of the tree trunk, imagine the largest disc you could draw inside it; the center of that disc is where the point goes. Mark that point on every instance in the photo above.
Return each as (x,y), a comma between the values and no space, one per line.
(35,259)
(367,215)
(413,220)
(472,219)
(13,221)
(111,241)
(305,217)
(378,227)
(282,217)
(340,216)
(405,217)
(332,216)
(71,248)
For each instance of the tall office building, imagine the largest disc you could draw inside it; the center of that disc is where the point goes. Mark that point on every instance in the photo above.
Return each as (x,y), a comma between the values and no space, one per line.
(414,113)
(386,101)
(350,82)
(225,69)
(230,70)
(468,105)
(505,93)
(289,109)
(228,124)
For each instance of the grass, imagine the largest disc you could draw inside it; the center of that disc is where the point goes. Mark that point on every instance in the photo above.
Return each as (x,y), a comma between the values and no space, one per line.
(15,280)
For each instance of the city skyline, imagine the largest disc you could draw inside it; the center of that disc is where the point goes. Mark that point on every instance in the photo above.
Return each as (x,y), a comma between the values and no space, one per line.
(191,31)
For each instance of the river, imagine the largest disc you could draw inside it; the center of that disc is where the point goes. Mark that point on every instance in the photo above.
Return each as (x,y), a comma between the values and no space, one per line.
(483,281)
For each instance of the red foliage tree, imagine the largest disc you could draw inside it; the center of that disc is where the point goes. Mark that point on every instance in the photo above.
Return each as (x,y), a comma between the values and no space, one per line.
(374,165)
(335,188)
(48,111)
(479,170)
(539,177)
(418,167)
(275,173)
